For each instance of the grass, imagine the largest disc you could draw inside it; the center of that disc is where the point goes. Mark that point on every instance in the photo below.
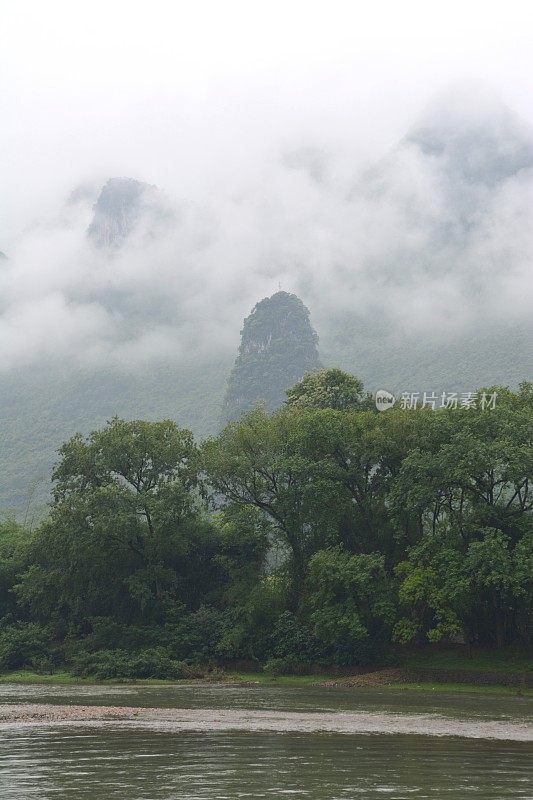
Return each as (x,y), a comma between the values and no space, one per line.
(265,678)
(25,676)
(461,688)
(62,678)
(28,678)
(506,659)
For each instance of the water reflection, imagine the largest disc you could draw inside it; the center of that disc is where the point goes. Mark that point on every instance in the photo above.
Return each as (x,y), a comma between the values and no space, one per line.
(135,764)
(102,762)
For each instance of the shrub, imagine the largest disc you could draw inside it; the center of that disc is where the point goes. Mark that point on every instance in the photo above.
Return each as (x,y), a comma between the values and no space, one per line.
(105,633)
(25,645)
(43,665)
(294,641)
(155,663)
(287,666)
(197,636)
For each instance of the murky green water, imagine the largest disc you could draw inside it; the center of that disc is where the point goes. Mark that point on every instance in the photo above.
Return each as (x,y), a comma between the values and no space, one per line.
(152,762)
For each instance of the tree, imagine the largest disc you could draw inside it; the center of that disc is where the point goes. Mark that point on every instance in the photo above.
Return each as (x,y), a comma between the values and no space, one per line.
(124,519)
(468,489)
(351,606)
(13,541)
(258,462)
(357,453)
(328,388)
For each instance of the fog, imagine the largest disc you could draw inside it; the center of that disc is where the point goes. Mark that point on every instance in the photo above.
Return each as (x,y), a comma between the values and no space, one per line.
(284,139)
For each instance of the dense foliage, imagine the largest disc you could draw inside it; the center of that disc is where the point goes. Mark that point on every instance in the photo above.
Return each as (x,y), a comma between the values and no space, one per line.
(316,535)
(329,388)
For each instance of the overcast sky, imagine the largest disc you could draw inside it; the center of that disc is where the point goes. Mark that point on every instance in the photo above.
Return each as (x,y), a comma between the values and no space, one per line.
(203,99)
(180,93)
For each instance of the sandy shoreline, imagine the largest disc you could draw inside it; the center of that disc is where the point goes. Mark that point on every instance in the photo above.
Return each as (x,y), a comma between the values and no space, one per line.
(276,721)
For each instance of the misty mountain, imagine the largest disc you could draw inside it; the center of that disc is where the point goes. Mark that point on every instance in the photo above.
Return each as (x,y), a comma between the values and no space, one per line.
(477,138)
(417,275)
(445,270)
(278,346)
(454,174)
(122,207)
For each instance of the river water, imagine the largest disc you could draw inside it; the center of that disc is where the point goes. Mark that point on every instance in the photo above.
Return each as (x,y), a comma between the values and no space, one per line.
(232,742)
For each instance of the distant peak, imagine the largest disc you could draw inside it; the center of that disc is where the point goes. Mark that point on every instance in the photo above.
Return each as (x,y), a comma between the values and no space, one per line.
(124,187)
(281,294)
(278,346)
(466,103)
(465,107)
(482,140)
(85,192)
(119,208)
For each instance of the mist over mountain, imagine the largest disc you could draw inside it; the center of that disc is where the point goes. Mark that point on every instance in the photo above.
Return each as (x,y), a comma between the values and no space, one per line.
(482,139)
(446,263)
(122,206)
(416,270)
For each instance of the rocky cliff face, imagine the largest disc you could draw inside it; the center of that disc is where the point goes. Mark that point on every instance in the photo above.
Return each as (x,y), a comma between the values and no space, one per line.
(124,206)
(278,346)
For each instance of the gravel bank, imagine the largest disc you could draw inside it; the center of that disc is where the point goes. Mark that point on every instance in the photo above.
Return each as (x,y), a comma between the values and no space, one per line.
(276,721)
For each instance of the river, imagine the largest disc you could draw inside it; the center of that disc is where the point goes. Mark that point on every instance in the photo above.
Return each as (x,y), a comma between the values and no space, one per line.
(229,742)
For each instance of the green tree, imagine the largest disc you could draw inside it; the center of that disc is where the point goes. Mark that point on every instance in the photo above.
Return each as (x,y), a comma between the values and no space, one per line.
(13,540)
(358,454)
(467,490)
(126,533)
(258,462)
(328,388)
(351,605)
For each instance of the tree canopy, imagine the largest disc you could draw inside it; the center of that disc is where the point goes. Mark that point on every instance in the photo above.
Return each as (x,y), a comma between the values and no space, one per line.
(318,534)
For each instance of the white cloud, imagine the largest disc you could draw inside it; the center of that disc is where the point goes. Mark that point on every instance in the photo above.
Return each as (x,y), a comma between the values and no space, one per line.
(227,107)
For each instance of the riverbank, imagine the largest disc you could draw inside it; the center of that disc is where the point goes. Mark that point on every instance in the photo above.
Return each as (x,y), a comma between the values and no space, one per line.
(443,669)
(386,679)
(383,679)
(25,677)
(63,678)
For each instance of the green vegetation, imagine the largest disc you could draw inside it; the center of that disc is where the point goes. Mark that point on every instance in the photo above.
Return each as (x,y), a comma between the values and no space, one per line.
(44,406)
(295,542)
(329,388)
(505,659)
(56,678)
(62,678)
(458,688)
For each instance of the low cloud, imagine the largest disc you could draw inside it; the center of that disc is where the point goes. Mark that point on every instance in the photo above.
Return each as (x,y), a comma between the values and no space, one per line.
(432,237)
